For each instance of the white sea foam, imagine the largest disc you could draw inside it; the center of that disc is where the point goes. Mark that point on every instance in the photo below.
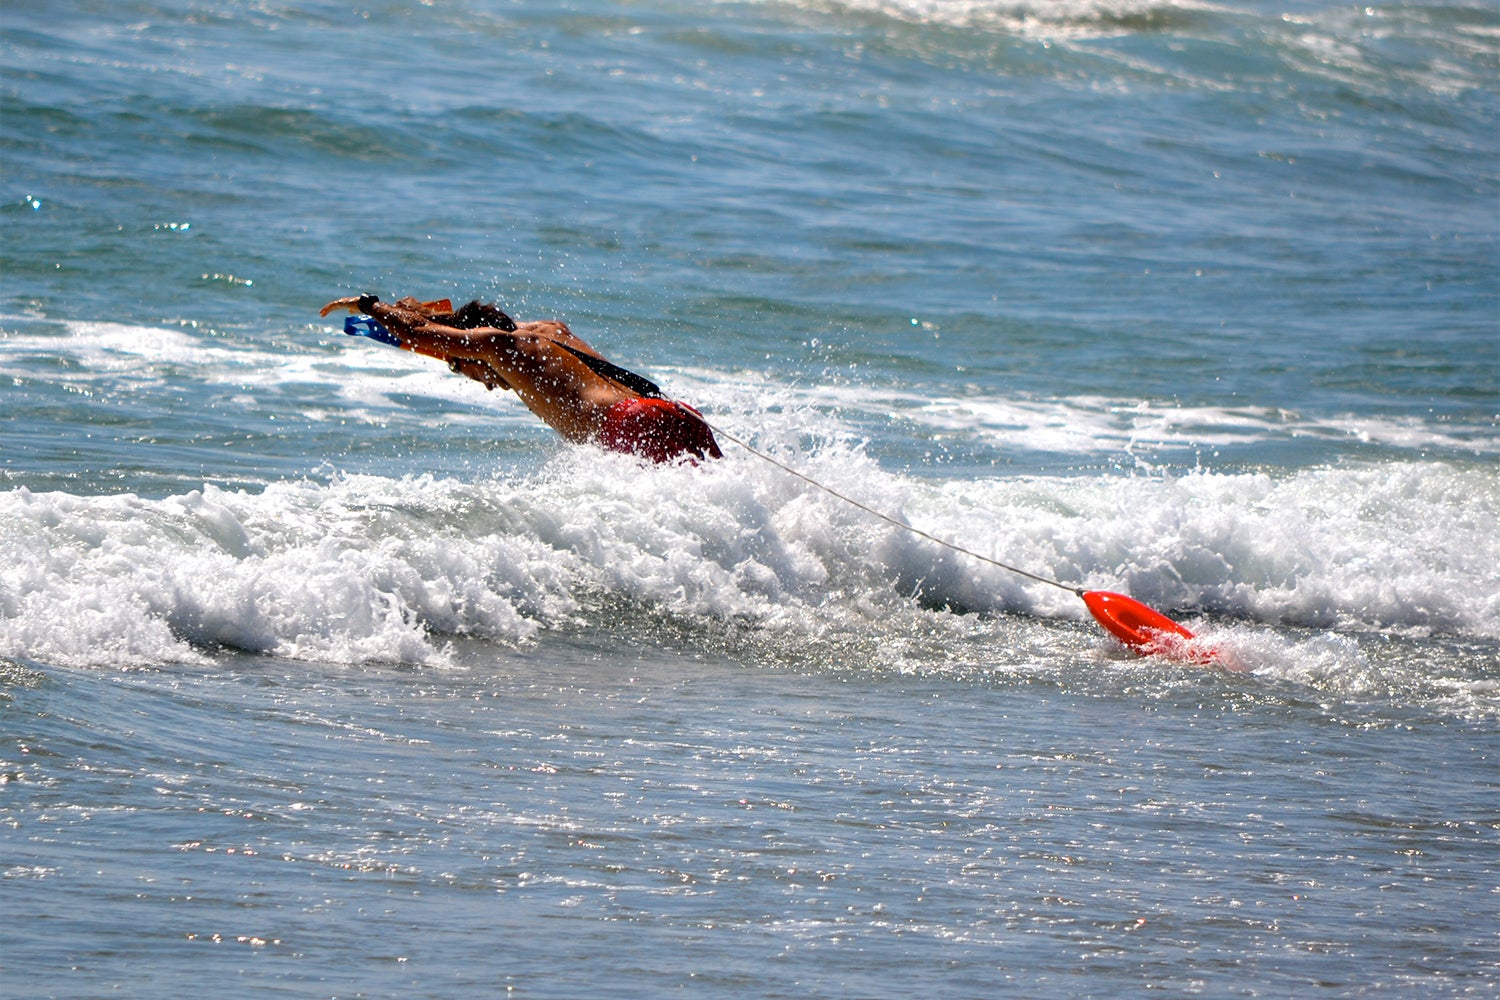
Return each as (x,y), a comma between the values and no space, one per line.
(1038,18)
(101,349)
(1347,44)
(1082,425)
(373,569)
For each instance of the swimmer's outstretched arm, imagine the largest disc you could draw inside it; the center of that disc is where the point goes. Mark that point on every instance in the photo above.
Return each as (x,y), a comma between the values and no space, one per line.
(553,383)
(409,320)
(406,316)
(417,332)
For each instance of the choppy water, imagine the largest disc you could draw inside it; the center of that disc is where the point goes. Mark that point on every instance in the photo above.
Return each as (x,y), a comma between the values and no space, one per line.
(327,673)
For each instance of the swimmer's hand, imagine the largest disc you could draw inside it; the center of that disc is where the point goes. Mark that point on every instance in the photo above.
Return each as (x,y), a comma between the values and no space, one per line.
(349,302)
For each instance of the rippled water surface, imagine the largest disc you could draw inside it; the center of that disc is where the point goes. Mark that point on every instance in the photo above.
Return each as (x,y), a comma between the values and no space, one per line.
(325,673)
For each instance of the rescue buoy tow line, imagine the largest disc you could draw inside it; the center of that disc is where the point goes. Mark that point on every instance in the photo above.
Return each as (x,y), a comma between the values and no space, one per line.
(1140,628)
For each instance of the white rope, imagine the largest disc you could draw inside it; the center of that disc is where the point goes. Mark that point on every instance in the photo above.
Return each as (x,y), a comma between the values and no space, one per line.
(886,517)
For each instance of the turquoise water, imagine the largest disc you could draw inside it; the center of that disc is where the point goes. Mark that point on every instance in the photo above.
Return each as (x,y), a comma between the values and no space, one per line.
(325,672)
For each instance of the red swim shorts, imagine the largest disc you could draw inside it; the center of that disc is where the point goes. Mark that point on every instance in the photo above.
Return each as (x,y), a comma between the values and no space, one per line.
(657,429)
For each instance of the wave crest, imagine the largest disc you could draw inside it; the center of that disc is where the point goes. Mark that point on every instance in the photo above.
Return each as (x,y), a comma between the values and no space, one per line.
(371,569)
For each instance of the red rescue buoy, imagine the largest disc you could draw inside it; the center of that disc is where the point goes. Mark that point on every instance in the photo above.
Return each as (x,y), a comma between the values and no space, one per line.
(1140,628)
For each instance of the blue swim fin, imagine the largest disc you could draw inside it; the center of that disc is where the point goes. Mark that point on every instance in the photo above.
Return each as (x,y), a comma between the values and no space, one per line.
(364,326)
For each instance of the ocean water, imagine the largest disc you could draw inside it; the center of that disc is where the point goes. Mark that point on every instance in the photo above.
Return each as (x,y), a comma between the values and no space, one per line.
(324,672)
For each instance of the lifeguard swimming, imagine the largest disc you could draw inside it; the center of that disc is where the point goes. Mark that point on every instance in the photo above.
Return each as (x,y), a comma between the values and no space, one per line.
(571,386)
(587,399)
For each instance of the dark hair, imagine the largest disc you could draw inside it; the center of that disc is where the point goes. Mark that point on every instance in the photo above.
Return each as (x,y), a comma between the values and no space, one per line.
(477,314)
